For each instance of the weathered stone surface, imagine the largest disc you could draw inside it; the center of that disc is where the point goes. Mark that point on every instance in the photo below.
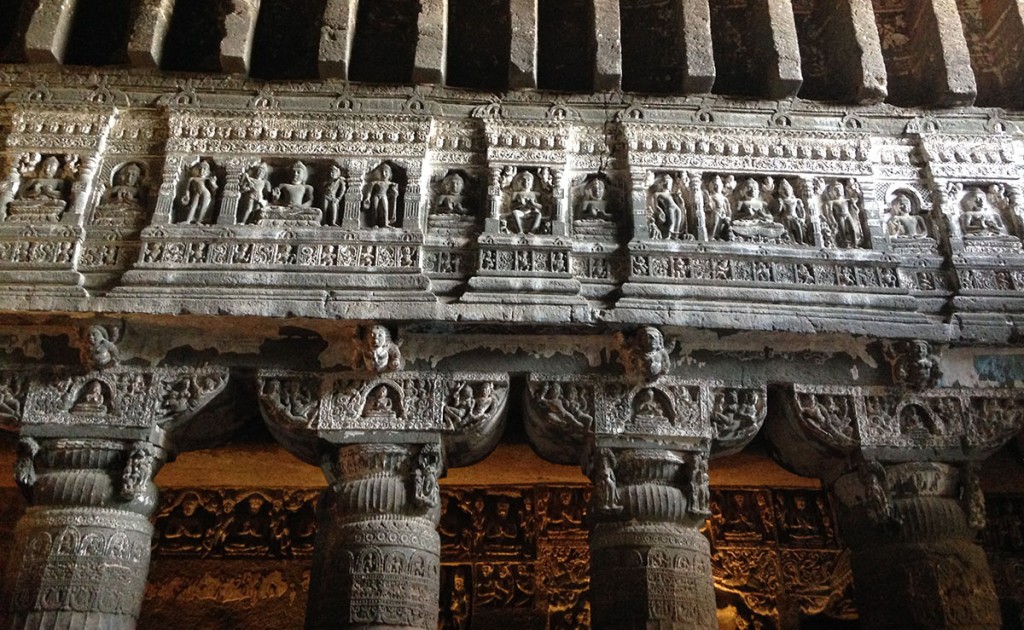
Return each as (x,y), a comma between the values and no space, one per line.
(336,36)
(431,42)
(239,29)
(857,51)
(955,84)
(698,51)
(47,35)
(607,45)
(522,65)
(146,39)
(776,32)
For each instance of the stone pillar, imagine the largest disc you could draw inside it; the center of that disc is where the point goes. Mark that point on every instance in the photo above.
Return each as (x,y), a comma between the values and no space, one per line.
(650,565)
(915,563)
(336,36)
(857,53)
(901,462)
(431,42)
(777,36)
(607,45)
(378,553)
(81,551)
(698,52)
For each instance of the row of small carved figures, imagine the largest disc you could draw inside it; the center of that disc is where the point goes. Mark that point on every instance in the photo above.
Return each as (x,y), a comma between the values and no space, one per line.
(753,209)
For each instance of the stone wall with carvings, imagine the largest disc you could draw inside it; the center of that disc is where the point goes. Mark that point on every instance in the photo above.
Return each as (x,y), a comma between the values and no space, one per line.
(225,558)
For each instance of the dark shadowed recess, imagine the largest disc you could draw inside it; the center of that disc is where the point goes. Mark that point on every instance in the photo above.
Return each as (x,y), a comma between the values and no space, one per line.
(99,33)
(739,66)
(193,40)
(479,40)
(12,29)
(651,47)
(287,39)
(385,41)
(565,49)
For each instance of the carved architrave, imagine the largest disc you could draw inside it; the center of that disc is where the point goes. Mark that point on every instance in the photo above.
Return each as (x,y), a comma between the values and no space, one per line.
(122,396)
(894,424)
(561,412)
(466,408)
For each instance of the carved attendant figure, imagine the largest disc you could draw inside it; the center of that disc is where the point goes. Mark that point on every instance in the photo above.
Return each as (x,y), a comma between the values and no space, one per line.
(606,494)
(199,194)
(101,351)
(648,358)
(718,210)
(792,213)
(842,213)
(527,211)
(382,198)
(334,194)
(255,189)
(668,211)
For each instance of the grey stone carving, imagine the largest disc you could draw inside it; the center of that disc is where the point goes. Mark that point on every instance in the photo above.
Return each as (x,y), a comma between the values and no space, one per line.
(200,193)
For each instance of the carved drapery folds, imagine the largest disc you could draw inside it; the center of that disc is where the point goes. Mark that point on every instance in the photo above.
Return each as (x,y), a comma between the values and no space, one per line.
(902,463)
(644,440)
(81,551)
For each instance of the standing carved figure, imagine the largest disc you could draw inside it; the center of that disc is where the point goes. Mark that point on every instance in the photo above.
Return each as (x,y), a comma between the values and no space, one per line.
(669,210)
(843,215)
(381,354)
(334,194)
(606,493)
(381,198)
(255,189)
(199,194)
(792,213)
(718,208)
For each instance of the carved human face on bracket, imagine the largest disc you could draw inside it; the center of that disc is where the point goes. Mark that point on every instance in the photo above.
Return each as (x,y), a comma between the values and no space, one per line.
(651,339)
(97,335)
(597,189)
(379,336)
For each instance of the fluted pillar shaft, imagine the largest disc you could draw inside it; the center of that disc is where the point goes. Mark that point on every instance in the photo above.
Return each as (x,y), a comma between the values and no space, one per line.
(915,563)
(378,553)
(81,551)
(650,565)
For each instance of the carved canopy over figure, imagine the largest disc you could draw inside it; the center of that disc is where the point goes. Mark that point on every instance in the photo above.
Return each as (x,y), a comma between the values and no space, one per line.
(451,198)
(199,193)
(668,208)
(381,198)
(334,194)
(903,221)
(979,214)
(380,354)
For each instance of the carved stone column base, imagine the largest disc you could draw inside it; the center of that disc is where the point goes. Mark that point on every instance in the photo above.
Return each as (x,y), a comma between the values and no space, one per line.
(651,575)
(79,568)
(914,560)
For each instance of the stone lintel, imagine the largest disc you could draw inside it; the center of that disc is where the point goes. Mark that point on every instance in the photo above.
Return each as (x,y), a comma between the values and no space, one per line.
(607,45)
(857,57)
(431,42)
(240,29)
(336,37)
(148,31)
(778,42)
(940,29)
(698,51)
(522,64)
(46,38)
